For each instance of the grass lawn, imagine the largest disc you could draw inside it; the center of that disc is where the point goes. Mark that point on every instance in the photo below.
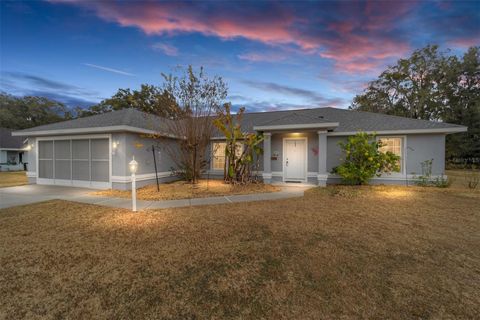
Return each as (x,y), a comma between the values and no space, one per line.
(461,178)
(13,178)
(339,252)
(182,190)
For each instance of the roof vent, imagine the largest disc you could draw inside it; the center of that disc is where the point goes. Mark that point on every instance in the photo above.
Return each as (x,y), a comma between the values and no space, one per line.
(321,117)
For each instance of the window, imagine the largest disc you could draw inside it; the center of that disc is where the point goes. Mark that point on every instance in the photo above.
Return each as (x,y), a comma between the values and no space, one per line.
(394,145)
(218,154)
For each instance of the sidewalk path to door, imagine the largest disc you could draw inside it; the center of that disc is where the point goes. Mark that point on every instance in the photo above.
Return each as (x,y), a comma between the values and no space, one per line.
(21,195)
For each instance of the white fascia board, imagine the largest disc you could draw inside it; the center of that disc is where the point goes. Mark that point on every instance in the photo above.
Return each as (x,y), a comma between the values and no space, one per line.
(297,126)
(88,130)
(12,149)
(409,131)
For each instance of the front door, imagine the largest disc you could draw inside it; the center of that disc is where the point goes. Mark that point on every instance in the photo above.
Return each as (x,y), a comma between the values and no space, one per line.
(295,160)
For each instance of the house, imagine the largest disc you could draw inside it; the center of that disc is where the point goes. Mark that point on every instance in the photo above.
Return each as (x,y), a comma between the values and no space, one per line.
(300,146)
(12,152)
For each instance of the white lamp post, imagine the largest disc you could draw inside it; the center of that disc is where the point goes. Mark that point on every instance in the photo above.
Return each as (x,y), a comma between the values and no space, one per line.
(133,165)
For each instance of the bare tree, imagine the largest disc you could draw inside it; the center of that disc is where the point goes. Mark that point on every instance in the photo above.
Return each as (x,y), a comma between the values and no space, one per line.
(199,97)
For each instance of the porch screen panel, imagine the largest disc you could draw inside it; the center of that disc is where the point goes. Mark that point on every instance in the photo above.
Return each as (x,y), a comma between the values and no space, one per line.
(63,160)
(45,159)
(81,160)
(99,149)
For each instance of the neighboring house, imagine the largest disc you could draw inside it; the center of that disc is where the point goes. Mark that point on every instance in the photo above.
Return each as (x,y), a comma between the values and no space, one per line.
(12,156)
(299,146)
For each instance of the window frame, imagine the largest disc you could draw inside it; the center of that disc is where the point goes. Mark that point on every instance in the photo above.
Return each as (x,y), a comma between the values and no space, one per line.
(212,149)
(403,150)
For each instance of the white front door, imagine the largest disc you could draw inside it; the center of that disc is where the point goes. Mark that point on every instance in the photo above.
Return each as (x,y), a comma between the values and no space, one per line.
(295,160)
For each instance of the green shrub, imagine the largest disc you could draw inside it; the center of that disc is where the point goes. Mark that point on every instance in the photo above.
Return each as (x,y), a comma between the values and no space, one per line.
(363,159)
(425,180)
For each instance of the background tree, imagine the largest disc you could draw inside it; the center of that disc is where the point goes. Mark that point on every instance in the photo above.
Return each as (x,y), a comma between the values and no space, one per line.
(432,85)
(199,97)
(30,111)
(242,149)
(150,99)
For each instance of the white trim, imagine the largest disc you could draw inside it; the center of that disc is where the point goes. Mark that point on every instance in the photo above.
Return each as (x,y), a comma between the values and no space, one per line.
(403,157)
(31,174)
(12,149)
(306,158)
(267,175)
(408,131)
(297,126)
(88,130)
(76,137)
(141,177)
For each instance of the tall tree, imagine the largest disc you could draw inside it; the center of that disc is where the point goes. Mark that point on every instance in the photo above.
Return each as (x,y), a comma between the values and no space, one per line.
(432,85)
(199,97)
(30,111)
(150,99)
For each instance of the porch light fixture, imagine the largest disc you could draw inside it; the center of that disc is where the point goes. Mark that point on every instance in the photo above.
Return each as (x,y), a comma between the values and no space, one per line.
(133,166)
(114,146)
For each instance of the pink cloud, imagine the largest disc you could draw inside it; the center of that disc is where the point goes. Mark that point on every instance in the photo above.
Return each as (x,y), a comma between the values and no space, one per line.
(354,43)
(167,49)
(263,56)
(465,42)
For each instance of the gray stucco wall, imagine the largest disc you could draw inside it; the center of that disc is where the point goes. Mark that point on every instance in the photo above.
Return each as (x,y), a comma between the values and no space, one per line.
(425,147)
(419,147)
(131,144)
(32,155)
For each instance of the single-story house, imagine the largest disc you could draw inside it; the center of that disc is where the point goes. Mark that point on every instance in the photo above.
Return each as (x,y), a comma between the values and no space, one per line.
(12,151)
(299,146)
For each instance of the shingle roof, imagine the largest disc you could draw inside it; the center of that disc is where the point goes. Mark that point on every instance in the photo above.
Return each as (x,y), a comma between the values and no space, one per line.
(349,121)
(9,142)
(295,118)
(125,117)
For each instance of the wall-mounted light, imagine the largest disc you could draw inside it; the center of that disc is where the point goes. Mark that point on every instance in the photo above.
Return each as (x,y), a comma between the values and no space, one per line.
(115,146)
(29,147)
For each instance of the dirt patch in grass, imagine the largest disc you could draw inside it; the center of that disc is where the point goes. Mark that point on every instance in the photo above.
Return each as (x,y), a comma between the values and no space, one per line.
(361,252)
(183,190)
(12,179)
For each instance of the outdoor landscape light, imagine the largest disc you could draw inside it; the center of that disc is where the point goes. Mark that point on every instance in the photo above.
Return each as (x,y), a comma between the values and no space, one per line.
(133,166)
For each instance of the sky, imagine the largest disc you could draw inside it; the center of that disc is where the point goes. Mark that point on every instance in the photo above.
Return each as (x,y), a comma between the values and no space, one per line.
(272,55)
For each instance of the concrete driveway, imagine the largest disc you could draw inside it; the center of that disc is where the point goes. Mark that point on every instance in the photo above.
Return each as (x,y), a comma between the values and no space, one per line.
(17,196)
(21,195)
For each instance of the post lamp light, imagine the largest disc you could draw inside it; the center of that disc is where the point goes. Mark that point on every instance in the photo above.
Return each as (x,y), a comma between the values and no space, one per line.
(133,166)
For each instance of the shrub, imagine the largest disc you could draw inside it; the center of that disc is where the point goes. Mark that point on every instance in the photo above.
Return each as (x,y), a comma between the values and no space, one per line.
(425,180)
(364,160)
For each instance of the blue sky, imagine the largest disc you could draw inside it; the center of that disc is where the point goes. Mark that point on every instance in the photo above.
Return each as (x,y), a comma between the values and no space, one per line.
(273,55)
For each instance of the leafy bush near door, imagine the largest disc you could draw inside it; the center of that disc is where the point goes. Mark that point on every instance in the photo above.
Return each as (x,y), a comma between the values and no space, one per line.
(242,149)
(364,160)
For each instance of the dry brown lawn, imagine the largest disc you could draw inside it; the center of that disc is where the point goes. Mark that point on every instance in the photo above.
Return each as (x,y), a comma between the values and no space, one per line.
(461,178)
(338,253)
(183,190)
(14,178)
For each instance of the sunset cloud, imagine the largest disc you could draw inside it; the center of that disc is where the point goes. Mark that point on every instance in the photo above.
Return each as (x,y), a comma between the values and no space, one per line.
(165,48)
(344,38)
